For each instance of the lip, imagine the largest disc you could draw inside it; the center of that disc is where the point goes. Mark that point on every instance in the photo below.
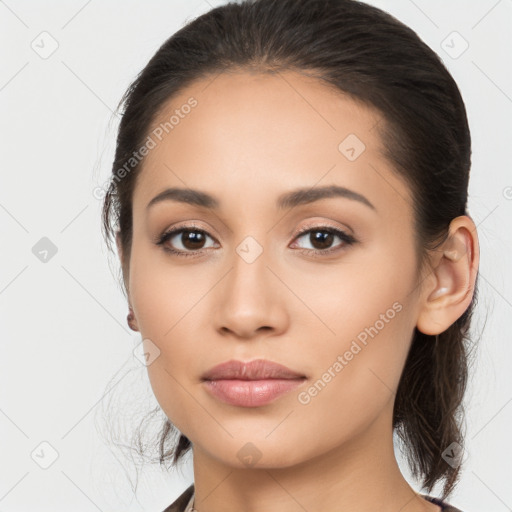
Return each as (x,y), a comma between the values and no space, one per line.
(251,384)
(258,369)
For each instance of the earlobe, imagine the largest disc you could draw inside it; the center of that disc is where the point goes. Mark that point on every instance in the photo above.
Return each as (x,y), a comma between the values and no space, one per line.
(454,278)
(131,320)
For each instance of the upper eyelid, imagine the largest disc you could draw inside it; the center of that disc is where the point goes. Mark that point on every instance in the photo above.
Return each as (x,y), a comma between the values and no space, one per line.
(319,225)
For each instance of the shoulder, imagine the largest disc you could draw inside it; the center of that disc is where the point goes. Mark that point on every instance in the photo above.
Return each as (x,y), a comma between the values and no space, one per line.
(181,502)
(444,506)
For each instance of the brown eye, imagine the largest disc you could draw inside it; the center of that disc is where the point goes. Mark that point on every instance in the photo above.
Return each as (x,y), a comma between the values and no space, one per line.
(184,241)
(192,239)
(321,238)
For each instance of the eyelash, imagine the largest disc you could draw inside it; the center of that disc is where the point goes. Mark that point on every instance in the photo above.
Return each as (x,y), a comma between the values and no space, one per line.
(345,237)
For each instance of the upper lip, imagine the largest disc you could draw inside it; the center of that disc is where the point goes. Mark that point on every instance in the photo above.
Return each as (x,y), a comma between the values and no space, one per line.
(253,370)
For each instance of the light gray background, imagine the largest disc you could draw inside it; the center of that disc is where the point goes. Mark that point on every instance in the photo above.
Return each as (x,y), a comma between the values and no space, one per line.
(67,353)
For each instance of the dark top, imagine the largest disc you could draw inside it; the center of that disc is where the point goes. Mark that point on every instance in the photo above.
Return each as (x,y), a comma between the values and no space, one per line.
(180,504)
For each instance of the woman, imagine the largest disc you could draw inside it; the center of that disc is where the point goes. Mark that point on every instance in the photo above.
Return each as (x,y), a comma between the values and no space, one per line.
(288,199)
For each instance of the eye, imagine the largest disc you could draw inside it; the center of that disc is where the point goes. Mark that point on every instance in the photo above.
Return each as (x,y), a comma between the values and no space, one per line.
(190,238)
(322,237)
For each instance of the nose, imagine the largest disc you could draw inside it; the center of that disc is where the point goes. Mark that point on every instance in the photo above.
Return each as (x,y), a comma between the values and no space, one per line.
(251,299)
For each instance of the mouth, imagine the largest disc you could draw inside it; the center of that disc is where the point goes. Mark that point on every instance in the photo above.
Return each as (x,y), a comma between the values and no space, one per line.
(258,369)
(251,384)
(250,393)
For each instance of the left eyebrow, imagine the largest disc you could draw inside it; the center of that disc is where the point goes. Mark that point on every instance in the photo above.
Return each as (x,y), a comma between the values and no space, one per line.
(310,195)
(287,200)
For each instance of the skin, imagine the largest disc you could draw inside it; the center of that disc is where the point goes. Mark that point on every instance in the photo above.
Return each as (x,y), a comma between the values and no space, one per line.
(251,138)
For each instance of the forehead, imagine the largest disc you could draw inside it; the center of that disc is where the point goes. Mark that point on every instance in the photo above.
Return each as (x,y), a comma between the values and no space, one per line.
(244,133)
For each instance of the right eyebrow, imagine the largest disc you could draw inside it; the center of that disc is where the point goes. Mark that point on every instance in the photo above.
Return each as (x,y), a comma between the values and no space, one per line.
(310,195)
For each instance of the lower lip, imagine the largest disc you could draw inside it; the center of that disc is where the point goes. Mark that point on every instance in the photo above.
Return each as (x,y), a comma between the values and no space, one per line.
(251,393)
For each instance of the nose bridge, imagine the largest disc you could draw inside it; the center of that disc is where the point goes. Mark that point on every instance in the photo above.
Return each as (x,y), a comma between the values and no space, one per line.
(248,299)
(248,280)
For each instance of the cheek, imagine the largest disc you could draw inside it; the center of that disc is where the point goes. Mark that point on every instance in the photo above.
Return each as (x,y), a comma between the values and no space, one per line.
(167,304)
(371,340)
(366,329)
(162,292)
(357,300)
(355,378)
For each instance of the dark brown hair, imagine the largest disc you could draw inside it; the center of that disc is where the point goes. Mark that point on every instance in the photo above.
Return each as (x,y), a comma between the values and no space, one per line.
(370,55)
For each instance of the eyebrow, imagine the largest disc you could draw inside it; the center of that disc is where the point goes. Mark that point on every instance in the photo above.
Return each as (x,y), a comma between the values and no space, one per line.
(287,200)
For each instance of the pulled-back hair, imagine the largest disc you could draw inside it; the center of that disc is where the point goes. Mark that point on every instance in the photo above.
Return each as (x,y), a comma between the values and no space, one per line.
(368,54)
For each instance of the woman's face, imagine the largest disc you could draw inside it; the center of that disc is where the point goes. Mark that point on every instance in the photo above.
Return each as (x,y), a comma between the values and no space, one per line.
(247,286)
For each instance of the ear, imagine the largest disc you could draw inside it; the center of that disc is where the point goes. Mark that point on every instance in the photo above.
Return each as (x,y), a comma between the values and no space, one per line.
(448,290)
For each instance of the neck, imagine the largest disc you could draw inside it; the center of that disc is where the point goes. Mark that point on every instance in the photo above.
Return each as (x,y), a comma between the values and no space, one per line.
(362,475)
